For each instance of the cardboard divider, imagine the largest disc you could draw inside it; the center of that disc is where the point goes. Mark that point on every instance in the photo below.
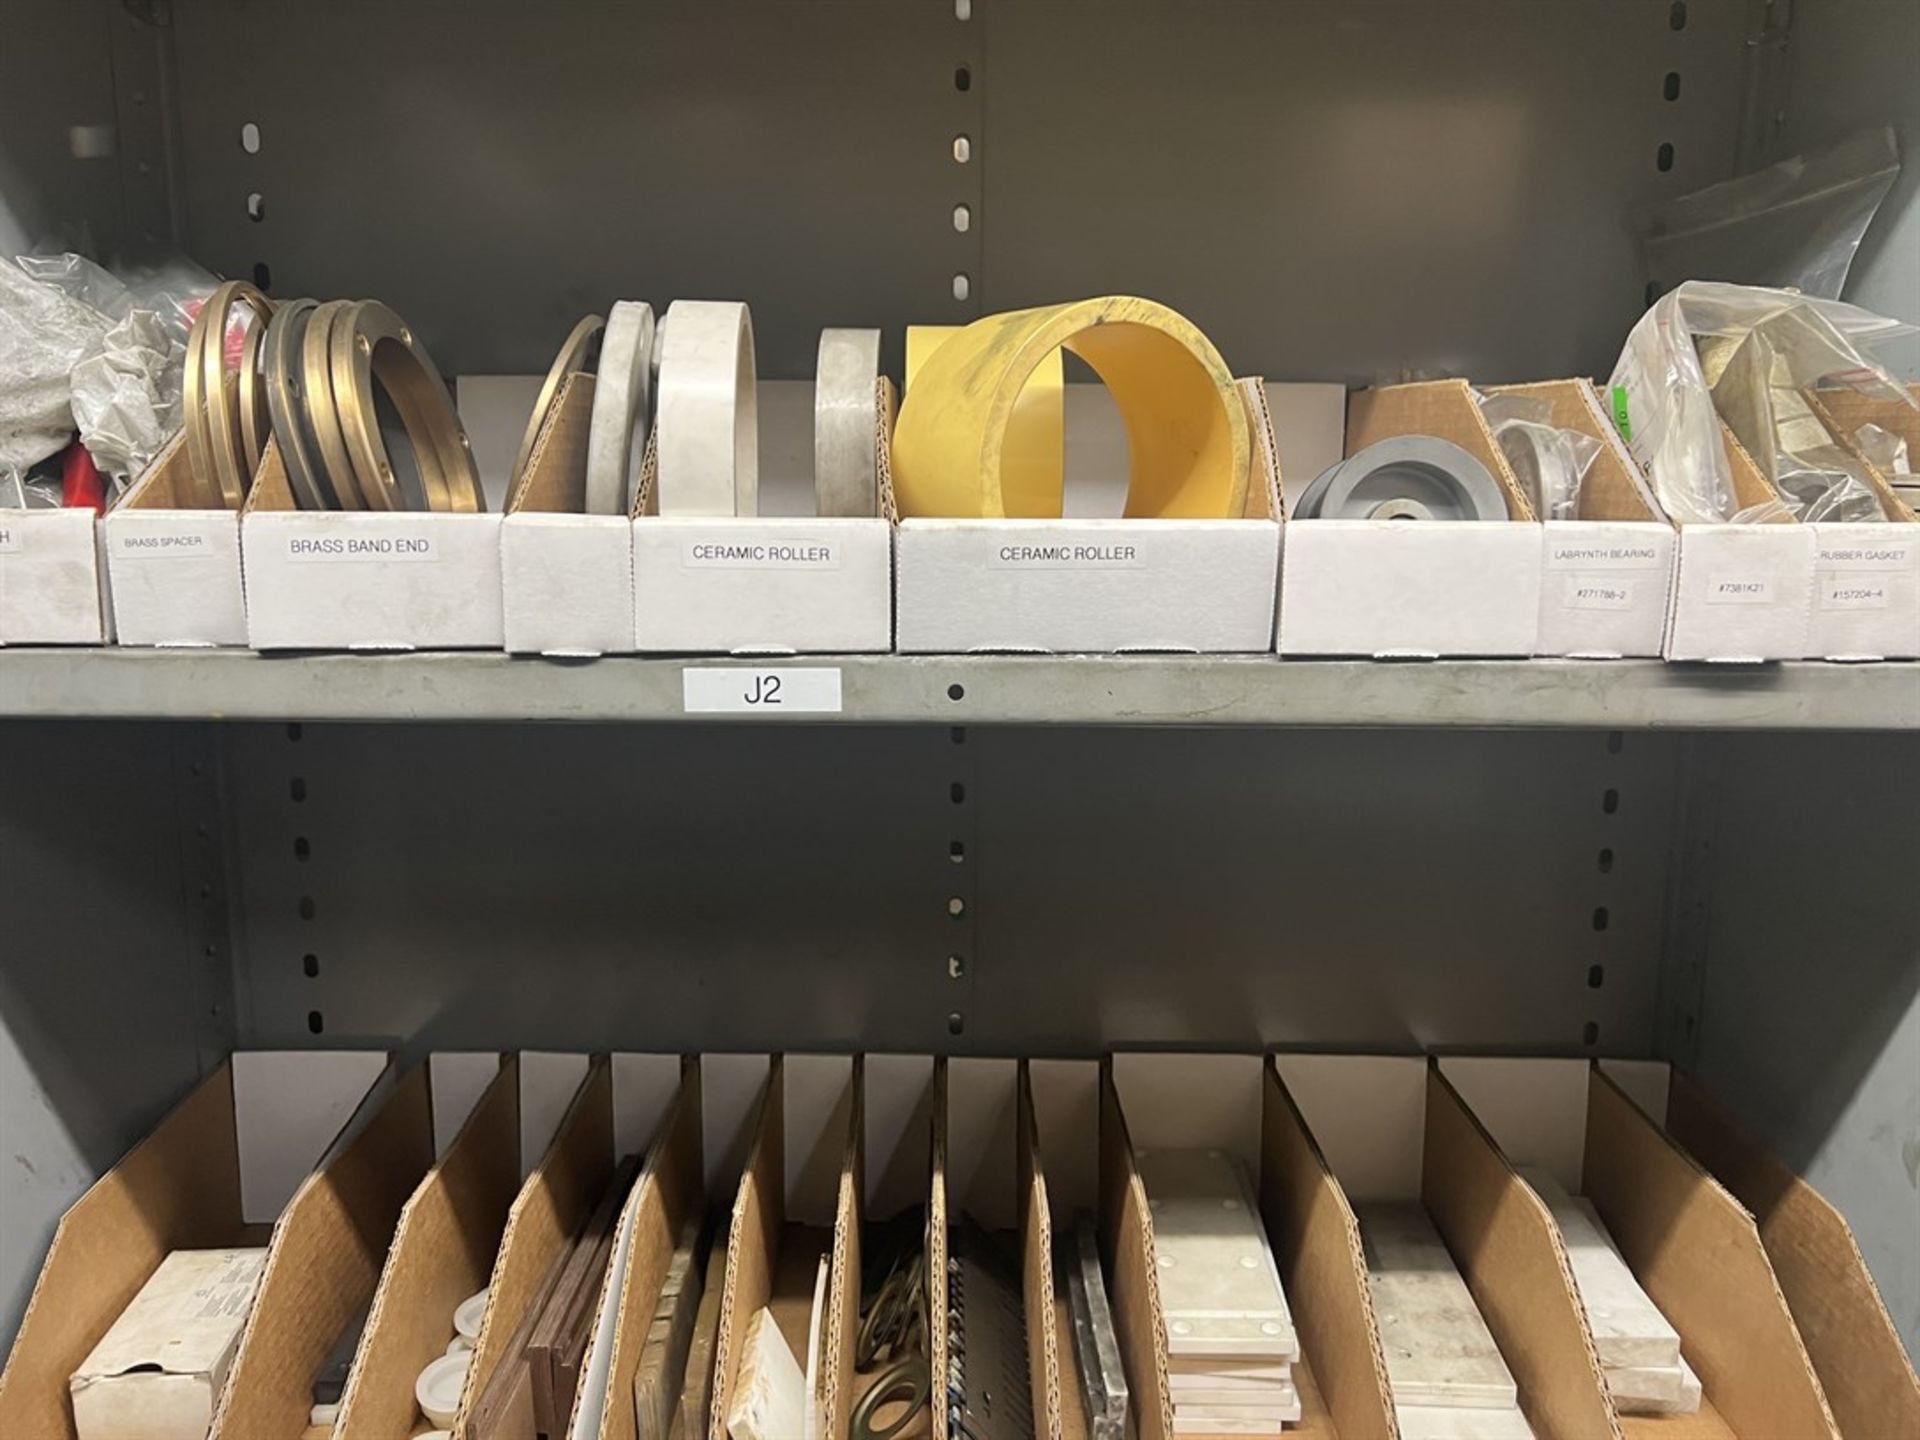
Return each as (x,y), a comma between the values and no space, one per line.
(1043,1306)
(197,1182)
(1393,1128)
(328,1250)
(1396,590)
(1864,1369)
(566,577)
(174,565)
(667,1195)
(447,1237)
(1866,591)
(1694,1251)
(1060,1162)
(1742,593)
(1060,585)
(363,579)
(792,1210)
(1133,1280)
(1607,576)
(1236,1103)
(900,1109)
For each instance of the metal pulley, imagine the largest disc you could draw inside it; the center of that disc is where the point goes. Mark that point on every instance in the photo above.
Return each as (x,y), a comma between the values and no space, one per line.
(1408,477)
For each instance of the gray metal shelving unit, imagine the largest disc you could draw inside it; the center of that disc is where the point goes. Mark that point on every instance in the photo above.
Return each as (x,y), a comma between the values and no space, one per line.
(205,851)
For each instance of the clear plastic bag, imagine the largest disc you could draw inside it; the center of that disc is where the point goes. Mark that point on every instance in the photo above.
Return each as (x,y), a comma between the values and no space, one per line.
(1762,345)
(1796,225)
(1886,450)
(91,351)
(1550,463)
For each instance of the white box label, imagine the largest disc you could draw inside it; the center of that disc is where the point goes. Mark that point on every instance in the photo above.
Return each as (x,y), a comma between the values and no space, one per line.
(179,545)
(1739,590)
(781,691)
(759,555)
(9,540)
(1579,555)
(1863,593)
(1067,555)
(1596,592)
(1893,555)
(362,547)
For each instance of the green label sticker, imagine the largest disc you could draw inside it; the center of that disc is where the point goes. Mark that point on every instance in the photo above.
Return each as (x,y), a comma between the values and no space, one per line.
(1621,421)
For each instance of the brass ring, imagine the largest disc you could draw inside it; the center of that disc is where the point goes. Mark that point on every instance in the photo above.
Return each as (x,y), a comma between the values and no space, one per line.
(206,495)
(577,354)
(320,406)
(255,423)
(217,401)
(907,1382)
(280,364)
(369,343)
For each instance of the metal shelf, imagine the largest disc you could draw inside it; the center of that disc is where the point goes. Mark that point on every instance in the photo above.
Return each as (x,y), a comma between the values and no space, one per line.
(1071,690)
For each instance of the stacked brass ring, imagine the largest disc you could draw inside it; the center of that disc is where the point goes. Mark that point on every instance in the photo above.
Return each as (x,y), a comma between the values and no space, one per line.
(311,376)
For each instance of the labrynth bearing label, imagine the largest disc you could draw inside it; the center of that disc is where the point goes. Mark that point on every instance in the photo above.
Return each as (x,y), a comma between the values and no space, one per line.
(1067,555)
(350,548)
(799,554)
(1579,555)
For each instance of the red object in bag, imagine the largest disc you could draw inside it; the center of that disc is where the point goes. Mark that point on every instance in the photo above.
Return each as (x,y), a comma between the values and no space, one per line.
(81,485)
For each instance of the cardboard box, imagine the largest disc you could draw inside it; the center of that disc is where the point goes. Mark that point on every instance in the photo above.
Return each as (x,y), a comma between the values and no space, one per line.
(1393,590)
(366,580)
(1607,576)
(616,1108)
(174,566)
(1742,593)
(795,1207)
(50,579)
(158,1372)
(1863,1367)
(493,1119)
(1053,586)
(217,1173)
(1393,1128)
(771,585)
(1694,1251)
(1235,1103)
(1866,582)
(566,577)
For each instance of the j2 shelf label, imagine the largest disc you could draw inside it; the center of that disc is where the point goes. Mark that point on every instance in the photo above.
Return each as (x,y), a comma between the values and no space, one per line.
(786,690)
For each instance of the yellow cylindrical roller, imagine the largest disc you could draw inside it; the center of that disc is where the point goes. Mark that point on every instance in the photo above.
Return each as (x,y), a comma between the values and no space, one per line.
(1033,458)
(1185,426)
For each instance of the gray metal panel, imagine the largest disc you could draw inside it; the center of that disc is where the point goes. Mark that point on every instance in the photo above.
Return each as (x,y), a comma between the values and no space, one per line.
(496,169)
(1321,888)
(1082,690)
(710,888)
(111,994)
(1809,1014)
(55,74)
(1352,188)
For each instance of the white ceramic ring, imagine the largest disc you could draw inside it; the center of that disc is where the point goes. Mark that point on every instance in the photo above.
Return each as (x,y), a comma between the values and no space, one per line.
(439,1386)
(708,431)
(846,414)
(617,433)
(469,1314)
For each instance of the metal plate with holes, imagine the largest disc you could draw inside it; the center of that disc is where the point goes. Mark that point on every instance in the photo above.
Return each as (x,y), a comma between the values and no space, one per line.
(797,153)
(1049,891)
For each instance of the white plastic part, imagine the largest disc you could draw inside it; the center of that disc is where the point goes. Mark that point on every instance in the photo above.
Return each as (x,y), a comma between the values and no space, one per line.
(459,1345)
(469,1314)
(617,432)
(846,407)
(439,1386)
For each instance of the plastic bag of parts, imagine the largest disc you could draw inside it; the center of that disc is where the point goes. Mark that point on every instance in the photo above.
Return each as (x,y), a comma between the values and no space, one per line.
(1550,463)
(1796,225)
(94,352)
(1886,450)
(1707,351)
